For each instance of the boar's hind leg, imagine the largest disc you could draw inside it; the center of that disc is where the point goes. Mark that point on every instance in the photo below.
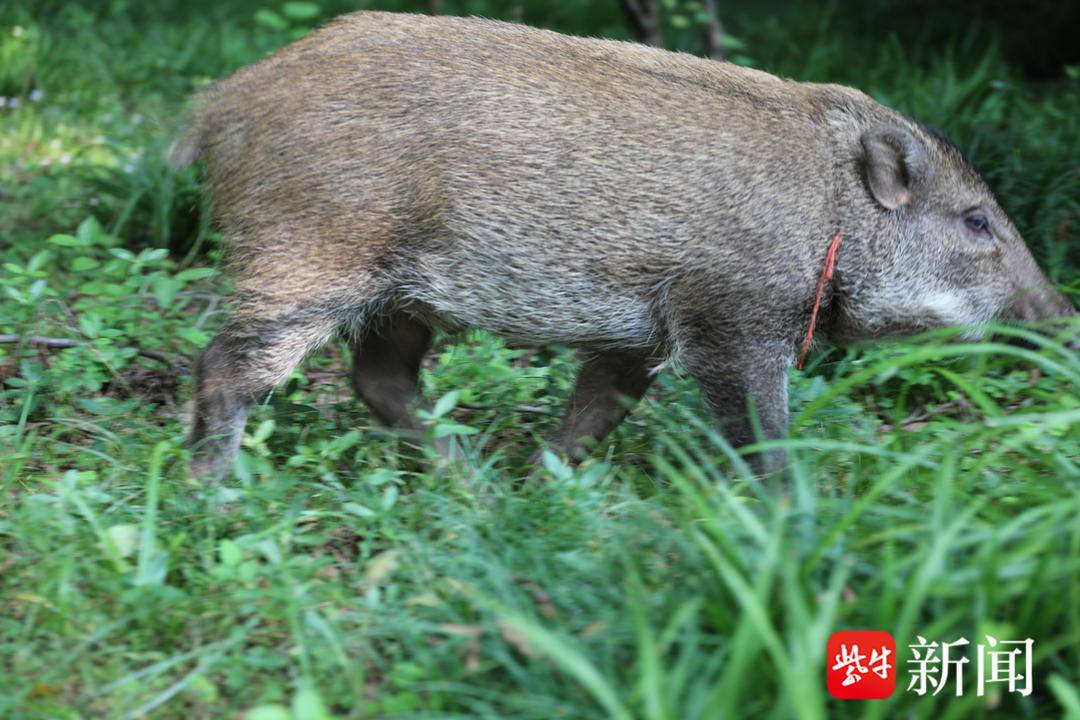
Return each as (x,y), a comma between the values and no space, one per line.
(246,360)
(607,387)
(386,368)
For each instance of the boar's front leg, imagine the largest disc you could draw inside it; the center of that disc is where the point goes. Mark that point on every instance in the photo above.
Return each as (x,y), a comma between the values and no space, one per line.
(745,385)
(386,369)
(608,385)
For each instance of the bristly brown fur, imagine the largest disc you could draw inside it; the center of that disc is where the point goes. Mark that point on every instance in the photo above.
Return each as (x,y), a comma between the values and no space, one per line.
(402,171)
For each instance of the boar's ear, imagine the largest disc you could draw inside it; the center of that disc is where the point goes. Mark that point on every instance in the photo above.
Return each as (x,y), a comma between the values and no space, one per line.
(894,160)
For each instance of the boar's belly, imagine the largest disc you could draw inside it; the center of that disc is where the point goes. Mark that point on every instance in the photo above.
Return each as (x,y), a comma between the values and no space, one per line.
(533,307)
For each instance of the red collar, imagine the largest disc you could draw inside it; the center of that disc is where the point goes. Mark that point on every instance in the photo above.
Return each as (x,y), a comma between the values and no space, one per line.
(827,271)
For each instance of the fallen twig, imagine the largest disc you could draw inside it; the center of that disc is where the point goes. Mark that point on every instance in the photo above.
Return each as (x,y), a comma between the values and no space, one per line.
(530,409)
(61,343)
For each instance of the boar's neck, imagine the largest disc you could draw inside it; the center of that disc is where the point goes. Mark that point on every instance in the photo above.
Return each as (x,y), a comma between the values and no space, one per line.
(860,269)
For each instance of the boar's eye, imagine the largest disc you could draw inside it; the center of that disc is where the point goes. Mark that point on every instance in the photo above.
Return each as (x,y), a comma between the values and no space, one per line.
(977,223)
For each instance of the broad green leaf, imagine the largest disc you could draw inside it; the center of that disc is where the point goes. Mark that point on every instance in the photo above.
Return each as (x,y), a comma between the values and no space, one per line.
(270,19)
(300,10)
(230,553)
(195,274)
(445,404)
(125,537)
(268,712)
(165,289)
(264,431)
(308,705)
(90,231)
(449,429)
(359,510)
(64,240)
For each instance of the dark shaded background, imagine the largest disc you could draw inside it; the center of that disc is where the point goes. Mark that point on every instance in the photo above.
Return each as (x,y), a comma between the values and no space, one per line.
(1039,37)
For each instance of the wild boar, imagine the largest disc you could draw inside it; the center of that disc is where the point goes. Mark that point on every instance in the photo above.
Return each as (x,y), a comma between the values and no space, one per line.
(391,174)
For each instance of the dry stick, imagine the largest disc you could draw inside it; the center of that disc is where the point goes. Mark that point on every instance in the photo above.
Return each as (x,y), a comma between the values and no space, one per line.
(644,15)
(714,31)
(52,342)
(529,409)
(211,308)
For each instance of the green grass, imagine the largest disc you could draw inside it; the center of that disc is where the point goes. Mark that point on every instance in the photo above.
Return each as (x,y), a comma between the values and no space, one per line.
(934,487)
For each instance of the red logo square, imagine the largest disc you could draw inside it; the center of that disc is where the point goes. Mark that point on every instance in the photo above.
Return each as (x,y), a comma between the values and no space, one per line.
(860,664)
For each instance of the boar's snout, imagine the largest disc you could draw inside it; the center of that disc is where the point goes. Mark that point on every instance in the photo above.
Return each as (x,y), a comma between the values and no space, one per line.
(1036,299)
(1041,303)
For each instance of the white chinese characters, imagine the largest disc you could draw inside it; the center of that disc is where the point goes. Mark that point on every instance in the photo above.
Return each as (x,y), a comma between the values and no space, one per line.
(933,665)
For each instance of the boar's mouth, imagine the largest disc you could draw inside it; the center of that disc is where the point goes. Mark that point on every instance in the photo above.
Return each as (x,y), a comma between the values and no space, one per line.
(1049,310)
(1036,304)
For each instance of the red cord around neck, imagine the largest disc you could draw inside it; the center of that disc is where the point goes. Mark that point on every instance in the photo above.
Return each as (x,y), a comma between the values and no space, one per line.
(827,271)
